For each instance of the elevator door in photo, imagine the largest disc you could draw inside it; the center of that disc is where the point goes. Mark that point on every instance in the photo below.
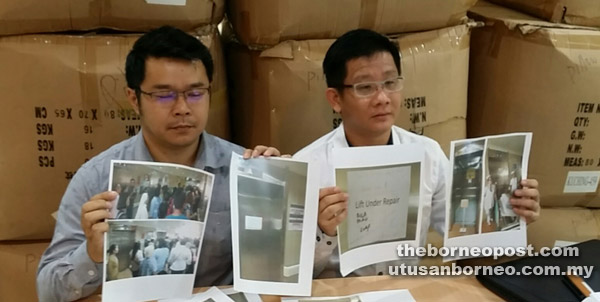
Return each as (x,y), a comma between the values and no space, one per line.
(262,207)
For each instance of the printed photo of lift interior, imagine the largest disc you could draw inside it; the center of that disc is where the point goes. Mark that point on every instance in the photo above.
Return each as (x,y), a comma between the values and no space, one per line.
(271,197)
(485,174)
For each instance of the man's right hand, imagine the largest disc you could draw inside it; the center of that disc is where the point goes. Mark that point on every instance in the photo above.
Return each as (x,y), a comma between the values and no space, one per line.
(333,209)
(93,215)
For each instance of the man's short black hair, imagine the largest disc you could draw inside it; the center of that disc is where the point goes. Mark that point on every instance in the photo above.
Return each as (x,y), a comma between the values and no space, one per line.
(352,45)
(164,42)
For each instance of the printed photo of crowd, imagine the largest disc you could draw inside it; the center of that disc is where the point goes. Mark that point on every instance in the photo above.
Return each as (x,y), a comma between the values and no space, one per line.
(148,248)
(149,191)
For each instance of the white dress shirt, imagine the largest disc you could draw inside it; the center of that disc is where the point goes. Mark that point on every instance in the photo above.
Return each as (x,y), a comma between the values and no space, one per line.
(320,153)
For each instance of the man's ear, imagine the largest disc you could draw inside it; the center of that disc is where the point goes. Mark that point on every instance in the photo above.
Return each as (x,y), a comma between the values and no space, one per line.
(334,99)
(133,100)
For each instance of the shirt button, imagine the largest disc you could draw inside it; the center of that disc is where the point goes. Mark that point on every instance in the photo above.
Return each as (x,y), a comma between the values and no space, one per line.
(328,242)
(318,238)
(91,273)
(76,292)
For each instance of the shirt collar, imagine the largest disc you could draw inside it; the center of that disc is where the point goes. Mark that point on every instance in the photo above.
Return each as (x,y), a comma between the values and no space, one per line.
(210,153)
(340,140)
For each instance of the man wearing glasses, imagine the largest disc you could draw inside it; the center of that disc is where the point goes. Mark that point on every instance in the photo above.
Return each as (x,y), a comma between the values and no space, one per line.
(363,74)
(168,77)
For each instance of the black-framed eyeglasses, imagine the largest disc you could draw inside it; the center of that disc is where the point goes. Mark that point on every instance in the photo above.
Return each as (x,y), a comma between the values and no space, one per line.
(368,89)
(168,97)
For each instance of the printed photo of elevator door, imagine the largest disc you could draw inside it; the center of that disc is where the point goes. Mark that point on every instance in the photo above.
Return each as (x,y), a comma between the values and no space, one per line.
(273,228)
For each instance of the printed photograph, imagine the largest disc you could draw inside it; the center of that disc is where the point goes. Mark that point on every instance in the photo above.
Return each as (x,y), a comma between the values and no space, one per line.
(504,162)
(383,204)
(465,192)
(271,201)
(156,191)
(151,248)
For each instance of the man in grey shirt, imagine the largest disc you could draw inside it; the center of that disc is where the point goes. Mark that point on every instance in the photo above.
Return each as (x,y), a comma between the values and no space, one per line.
(168,77)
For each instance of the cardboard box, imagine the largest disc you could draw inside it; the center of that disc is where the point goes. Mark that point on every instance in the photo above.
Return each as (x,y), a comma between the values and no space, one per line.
(535,76)
(19,262)
(564,224)
(28,16)
(66,103)
(576,12)
(278,95)
(269,22)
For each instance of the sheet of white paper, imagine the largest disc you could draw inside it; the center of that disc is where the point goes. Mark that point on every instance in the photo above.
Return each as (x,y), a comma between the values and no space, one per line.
(150,287)
(253,223)
(398,295)
(167,2)
(213,294)
(233,294)
(484,171)
(182,236)
(382,205)
(278,258)
(563,243)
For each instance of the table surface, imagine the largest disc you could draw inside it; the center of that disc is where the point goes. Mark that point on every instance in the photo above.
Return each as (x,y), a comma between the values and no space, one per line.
(430,288)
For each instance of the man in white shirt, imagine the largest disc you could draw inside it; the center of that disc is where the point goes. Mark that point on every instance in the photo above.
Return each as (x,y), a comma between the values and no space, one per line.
(180,258)
(362,70)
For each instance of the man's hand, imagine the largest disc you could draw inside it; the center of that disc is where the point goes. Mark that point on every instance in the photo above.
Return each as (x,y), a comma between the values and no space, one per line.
(333,209)
(93,214)
(526,201)
(262,151)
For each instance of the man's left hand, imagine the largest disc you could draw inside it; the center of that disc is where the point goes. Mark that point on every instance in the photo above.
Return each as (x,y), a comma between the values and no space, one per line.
(526,201)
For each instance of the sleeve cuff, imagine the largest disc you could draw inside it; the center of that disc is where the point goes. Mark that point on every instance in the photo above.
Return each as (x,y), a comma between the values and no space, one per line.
(325,241)
(85,270)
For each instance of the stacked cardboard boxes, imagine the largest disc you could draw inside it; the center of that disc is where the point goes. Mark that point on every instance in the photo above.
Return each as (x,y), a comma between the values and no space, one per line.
(21,17)
(269,22)
(273,82)
(272,86)
(576,12)
(530,75)
(65,103)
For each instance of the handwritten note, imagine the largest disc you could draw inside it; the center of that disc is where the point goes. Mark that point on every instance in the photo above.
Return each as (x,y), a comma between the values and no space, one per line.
(378,205)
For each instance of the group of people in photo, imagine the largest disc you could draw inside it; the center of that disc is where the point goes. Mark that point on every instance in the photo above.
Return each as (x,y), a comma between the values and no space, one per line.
(148,257)
(157,201)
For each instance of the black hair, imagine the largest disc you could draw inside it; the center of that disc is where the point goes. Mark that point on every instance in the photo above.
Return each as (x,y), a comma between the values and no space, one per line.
(162,243)
(164,42)
(112,248)
(351,45)
(179,198)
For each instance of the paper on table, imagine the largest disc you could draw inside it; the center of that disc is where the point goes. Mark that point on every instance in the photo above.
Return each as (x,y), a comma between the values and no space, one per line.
(483,176)
(385,202)
(213,294)
(241,297)
(399,295)
(273,221)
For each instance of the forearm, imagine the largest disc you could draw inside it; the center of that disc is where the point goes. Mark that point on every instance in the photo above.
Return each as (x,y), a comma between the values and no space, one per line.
(323,249)
(69,277)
